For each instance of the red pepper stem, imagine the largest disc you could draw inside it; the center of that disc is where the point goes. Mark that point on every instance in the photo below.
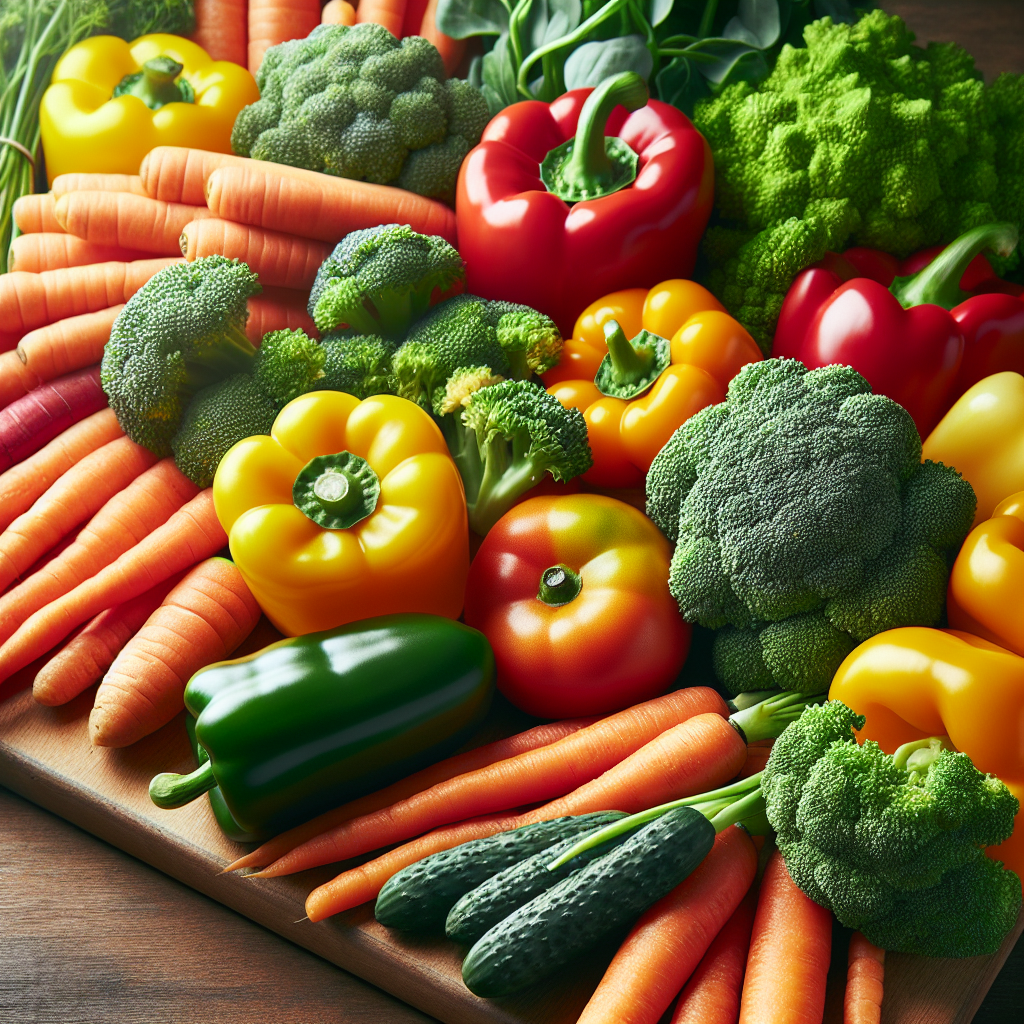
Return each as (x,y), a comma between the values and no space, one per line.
(939,282)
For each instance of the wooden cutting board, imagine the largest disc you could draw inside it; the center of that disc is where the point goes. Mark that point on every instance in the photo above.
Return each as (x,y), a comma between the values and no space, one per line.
(45,756)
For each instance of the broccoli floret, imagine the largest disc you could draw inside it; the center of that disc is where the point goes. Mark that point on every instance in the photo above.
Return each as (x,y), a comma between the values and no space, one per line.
(449,404)
(860,138)
(218,417)
(892,844)
(288,364)
(804,522)
(357,364)
(466,331)
(520,432)
(358,103)
(182,331)
(379,280)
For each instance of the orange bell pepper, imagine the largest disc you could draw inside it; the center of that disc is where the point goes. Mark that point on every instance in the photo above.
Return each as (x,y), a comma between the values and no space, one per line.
(634,394)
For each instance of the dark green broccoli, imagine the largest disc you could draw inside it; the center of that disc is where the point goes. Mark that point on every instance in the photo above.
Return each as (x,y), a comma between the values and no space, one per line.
(180,332)
(467,331)
(289,363)
(379,280)
(357,364)
(804,522)
(358,103)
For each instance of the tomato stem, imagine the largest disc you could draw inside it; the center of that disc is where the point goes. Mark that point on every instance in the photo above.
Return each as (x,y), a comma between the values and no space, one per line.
(559,585)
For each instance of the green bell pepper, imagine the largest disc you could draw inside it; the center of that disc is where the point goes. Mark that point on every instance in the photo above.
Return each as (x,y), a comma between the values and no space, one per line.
(313,721)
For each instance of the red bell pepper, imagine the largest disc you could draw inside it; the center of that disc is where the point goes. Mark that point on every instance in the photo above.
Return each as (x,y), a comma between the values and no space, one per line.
(627,208)
(922,340)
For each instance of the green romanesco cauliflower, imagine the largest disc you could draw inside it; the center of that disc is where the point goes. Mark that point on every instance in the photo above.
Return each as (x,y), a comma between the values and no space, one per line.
(358,103)
(804,522)
(858,139)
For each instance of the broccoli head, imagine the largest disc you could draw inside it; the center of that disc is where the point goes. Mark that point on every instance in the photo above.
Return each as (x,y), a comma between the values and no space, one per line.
(379,280)
(804,522)
(859,138)
(357,364)
(179,333)
(358,103)
(892,844)
(289,363)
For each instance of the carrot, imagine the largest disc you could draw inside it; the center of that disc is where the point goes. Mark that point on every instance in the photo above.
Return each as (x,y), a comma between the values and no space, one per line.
(524,779)
(712,995)
(16,379)
(864,982)
(276,21)
(84,659)
(202,620)
(36,418)
(221,29)
(279,259)
(177,174)
(54,250)
(790,948)
(413,20)
(35,213)
(34,300)
(127,518)
(389,13)
(757,758)
(338,12)
(318,205)
(666,944)
(470,760)
(77,495)
(276,309)
(68,344)
(452,50)
(125,219)
(79,182)
(190,535)
(22,484)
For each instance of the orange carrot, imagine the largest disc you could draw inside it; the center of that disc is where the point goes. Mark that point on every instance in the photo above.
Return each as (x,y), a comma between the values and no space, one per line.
(22,484)
(35,213)
(524,779)
(790,948)
(413,20)
(712,995)
(53,250)
(389,13)
(68,344)
(82,491)
(177,174)
(79,182)
(451,50)
(127,518)
(202,620)
(338,12)
(865,977)
(127,220)
(34,300)
(318,205)
(16,379)
(278,259)
(276,21)
(757,757)
(470,760)
(276,309)
(221,29)
(190,535)
(84,659)
(666,944)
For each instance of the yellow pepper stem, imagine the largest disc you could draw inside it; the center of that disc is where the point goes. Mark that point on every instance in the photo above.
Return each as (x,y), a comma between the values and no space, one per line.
(336,491)
(155,84)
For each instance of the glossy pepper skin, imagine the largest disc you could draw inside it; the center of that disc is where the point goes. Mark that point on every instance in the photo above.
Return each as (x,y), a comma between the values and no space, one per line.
(572,593)
(407,552)
(707,349)
(311,722)
(523,243)
(85,127)
(916,682)
(982,436)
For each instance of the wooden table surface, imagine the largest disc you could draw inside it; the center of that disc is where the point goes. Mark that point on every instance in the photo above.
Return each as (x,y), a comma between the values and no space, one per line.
(89,935)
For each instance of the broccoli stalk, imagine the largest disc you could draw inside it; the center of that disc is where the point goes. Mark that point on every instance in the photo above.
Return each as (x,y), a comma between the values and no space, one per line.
(449,405)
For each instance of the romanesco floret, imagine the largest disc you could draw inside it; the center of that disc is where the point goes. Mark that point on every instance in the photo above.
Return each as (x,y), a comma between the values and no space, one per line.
(180,332)
(379,280)
(858,139)
(804,522)
(358,103)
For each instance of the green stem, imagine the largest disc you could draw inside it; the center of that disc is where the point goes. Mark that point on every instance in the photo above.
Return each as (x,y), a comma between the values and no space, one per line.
(559,585)
(768,718)
(917,757)
(169,790)
(518,15)
(155,84)
(628,365)
(707,19)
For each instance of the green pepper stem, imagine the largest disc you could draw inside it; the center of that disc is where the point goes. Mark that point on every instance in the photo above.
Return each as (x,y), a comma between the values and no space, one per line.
(628,365)
(155,84)
(169,790)
(939,282)
(559,585)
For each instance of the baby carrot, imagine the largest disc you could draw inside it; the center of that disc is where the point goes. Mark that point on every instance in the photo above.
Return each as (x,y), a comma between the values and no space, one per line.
(80,182)
(68,344)
(35,213)
(53,250)
(177,174)
(864,982)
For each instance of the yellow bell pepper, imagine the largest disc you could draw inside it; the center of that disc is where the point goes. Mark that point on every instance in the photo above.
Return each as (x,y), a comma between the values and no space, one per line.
(983,437)
(86,127)
(347,510)
(915,682)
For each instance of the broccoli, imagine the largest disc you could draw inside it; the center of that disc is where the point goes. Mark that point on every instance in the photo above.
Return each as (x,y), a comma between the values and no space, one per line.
(358,103)
(858,139)
(358,364)
(467,331)
(181,332)
(449,404)
(379,280)
(289,363)
(804,522)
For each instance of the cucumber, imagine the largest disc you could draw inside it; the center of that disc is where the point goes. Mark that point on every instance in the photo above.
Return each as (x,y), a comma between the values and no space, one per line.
(418,897)
(564,921)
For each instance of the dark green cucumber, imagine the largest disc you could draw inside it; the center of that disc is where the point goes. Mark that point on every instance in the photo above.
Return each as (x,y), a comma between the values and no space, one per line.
(608,893)
(418,897)
(494,899)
